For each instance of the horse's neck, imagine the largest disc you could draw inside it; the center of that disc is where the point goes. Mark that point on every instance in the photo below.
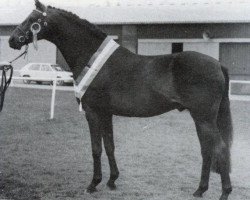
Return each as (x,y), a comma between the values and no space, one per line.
(77,47)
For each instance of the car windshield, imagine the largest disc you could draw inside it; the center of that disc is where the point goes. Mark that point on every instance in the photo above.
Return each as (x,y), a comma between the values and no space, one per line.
(56,67)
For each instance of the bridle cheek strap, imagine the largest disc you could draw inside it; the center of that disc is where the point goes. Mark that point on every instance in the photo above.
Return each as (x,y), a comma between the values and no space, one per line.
(36,28)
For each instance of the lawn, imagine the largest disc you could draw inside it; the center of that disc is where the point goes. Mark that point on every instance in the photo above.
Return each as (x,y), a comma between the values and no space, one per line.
(158,158)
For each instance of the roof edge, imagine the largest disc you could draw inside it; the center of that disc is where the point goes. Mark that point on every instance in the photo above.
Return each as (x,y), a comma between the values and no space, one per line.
(158,22)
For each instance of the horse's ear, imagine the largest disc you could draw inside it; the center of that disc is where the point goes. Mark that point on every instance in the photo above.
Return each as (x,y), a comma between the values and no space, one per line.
(40,6)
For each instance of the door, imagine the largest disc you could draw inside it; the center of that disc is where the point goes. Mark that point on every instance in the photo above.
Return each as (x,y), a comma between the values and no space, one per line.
(208,48)
(235,56)
(33,71)
(46,72)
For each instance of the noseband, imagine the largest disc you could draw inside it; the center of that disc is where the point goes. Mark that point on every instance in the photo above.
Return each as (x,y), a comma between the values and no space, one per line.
(35,28)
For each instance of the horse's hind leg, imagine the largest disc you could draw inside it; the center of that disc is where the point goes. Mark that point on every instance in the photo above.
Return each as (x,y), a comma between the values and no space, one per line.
(213,149)
(206,142)
(110,148)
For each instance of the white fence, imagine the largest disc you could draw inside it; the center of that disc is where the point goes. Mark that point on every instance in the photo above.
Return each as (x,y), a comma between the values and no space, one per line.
(52,87)
(55,87)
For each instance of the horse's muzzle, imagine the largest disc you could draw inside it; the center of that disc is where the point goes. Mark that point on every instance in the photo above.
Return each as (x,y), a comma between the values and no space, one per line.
(15,43)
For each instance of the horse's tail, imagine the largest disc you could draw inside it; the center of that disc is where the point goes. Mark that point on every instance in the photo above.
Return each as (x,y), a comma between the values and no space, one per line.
(224,123)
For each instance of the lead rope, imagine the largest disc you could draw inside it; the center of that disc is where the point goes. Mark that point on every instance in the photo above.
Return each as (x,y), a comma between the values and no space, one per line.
(6,82)
(24,53)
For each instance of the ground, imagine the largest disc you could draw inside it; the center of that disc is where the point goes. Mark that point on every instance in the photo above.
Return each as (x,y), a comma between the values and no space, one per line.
(158,158)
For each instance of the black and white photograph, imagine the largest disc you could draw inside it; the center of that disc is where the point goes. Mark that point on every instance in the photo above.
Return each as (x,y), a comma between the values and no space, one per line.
(124,99)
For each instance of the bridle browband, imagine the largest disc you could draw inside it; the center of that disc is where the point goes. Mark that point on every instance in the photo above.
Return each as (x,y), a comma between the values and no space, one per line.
(35,28)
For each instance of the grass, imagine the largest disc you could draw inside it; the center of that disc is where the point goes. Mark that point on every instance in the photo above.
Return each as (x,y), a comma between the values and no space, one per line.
(158,158)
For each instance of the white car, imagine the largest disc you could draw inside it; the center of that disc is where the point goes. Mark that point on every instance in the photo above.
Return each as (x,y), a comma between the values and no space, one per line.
(39,71)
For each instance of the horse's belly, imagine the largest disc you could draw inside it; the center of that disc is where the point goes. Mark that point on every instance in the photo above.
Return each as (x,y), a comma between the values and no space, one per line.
(141,105)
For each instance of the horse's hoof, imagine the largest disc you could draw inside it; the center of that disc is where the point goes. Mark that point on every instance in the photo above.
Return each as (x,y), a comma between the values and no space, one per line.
(198,193)
(90,190)
(111,185)
(224,197)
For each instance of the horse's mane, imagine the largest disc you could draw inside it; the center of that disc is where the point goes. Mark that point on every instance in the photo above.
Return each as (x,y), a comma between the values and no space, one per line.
(81,22)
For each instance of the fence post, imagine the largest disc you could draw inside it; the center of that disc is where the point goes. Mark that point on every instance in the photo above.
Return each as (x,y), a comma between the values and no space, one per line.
(80,106)
(52,108)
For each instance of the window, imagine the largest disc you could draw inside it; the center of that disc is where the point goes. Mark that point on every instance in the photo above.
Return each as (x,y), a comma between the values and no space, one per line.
(56,67)
(177,47)
(35,67)
(45,68)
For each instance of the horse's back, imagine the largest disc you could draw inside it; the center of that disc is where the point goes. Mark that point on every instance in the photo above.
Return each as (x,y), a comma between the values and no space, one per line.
(196,59)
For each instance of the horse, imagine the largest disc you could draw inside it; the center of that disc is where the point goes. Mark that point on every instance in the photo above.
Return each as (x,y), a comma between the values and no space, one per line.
(139,86)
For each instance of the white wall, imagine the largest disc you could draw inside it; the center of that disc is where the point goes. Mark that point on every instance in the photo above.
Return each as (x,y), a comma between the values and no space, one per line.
(211,49)
(154,48)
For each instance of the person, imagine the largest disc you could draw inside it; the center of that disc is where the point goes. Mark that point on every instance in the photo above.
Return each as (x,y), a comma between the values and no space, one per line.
(4,82)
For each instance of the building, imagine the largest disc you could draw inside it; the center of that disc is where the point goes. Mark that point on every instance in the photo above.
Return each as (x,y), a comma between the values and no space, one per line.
(219,28)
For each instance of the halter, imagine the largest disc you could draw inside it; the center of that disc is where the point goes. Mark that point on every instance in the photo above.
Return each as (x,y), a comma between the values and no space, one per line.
(35,28)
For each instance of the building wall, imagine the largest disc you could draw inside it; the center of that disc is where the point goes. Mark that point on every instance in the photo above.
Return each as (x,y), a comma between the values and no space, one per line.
(193,30)
(6,30)
(226,44)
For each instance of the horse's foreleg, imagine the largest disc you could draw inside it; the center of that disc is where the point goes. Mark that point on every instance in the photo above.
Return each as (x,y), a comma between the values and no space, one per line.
(110,148)
(94,121)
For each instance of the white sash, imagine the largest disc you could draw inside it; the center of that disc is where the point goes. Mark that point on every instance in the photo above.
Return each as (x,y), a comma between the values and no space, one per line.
(95,64)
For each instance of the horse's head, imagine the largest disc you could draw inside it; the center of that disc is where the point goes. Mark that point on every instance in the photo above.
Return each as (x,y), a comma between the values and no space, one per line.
(34,27)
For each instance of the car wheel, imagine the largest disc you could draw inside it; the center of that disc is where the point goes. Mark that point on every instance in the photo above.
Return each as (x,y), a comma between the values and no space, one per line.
(26,81)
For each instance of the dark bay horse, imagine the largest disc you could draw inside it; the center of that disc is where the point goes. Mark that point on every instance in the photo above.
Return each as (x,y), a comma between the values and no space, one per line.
(140,86)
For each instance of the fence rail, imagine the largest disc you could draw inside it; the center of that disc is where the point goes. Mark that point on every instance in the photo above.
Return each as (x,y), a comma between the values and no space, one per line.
(238,97)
